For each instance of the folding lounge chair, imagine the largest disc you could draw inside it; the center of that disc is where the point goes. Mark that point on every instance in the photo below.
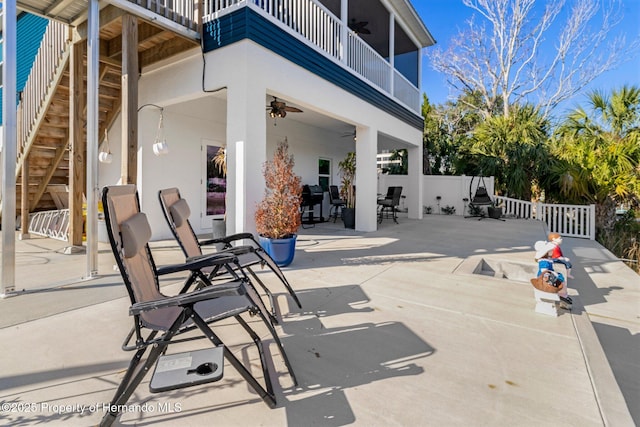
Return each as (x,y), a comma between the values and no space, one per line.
(176,212)
(159,319)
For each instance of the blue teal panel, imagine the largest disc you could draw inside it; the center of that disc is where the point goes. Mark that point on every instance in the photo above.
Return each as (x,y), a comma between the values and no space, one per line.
(29,30)
(247,24)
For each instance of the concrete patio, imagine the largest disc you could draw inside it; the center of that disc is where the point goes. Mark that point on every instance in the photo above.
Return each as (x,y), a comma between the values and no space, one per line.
(395,330)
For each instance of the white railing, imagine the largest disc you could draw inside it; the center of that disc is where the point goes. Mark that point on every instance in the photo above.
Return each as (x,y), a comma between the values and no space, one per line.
(405,91)
(53,224)
(514,207)
(323,30)
(567,220)
(365,61)
(44,74)
(183,12)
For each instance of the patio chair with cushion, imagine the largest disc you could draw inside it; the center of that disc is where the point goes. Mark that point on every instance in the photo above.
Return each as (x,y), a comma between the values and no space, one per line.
(387,206)
(159,320)
(176,212)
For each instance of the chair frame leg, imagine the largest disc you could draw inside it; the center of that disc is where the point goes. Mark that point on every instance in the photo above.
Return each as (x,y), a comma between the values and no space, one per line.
(278,342)
(272,312)
(137,369)
(274,267)
(267,395)
(136,373)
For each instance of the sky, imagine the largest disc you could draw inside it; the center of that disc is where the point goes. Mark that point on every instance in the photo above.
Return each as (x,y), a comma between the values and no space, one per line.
(444,19)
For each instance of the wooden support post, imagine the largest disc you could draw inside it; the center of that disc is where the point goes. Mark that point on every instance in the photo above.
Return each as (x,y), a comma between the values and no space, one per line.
(78,149)
(129,99)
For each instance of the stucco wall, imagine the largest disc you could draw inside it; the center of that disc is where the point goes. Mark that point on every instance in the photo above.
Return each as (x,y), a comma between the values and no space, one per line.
(236,117)
(451,189)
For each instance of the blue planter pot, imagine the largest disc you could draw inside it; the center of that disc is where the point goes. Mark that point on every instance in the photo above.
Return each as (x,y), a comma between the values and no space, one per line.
(280,250)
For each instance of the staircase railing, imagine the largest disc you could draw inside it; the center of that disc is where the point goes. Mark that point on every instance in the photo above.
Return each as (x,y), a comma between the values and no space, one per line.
(46,72)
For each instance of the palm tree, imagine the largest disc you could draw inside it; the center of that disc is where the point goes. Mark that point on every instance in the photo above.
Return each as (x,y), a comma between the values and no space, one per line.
(512,148)
(599,152)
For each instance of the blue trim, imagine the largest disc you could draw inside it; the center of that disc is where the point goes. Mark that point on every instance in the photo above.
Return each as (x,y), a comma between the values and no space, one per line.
(29,31)
(247,24)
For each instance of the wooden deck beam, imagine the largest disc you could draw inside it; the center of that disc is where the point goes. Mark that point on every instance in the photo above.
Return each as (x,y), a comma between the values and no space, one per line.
(129,104)
(78,152)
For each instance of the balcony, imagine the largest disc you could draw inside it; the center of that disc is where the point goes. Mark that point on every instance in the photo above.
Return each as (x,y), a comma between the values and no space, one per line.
(322,31)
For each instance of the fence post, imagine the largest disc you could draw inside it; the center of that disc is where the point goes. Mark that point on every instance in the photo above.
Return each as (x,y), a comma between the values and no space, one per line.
(592,222)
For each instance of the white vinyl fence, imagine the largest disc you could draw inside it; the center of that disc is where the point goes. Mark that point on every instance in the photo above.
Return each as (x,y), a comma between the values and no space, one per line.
(440,192)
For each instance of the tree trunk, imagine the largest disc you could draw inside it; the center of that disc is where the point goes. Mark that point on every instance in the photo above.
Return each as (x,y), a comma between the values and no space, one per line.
(605,214)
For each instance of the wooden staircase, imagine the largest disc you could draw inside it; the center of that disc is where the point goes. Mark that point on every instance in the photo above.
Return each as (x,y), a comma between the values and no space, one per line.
(43,111)
(48,153)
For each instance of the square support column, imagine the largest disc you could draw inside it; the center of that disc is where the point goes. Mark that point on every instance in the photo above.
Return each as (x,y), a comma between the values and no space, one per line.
(366,179)
(246,154)
(415,191)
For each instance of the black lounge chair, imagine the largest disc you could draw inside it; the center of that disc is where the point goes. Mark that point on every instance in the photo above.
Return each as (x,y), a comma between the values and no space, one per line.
(176,211)
(159,320)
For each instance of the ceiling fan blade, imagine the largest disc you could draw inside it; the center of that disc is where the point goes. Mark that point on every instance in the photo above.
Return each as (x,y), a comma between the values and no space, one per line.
(359,27)
(293,109)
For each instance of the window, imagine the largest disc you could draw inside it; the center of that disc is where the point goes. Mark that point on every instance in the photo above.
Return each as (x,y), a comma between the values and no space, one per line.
(324,173)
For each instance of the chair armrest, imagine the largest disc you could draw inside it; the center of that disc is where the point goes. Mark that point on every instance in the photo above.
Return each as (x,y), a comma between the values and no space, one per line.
(198,263)
(239,250)
(227,239)
(234,288)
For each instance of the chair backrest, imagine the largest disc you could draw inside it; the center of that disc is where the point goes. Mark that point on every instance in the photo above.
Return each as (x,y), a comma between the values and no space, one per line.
(176,212)
(390,192)
(334,193)
(129,233)
(397,192)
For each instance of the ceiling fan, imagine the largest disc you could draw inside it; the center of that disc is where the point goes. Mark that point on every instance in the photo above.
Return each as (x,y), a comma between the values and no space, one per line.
(359,27)
(279,109)
(351,134)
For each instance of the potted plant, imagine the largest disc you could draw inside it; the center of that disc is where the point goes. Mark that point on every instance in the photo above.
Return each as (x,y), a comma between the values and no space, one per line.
(495,210)
(347,189)
(278,214)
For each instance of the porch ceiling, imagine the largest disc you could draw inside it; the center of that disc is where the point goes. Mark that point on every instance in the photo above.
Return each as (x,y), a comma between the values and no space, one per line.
(320,120)
(67,11)
(376,15)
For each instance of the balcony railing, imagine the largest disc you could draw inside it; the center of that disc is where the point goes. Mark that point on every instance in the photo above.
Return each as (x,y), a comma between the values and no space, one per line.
(183,12)
(323,30)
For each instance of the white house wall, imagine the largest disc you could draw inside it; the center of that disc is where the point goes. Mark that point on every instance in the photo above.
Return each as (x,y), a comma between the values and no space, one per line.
(247,73)
(247,63)
(189,118)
